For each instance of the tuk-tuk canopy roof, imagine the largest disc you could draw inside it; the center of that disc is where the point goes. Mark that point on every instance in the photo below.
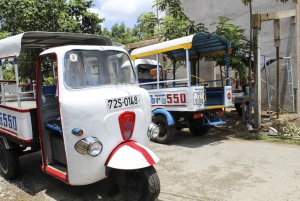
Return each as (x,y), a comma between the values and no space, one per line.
(11,46)
(200,44)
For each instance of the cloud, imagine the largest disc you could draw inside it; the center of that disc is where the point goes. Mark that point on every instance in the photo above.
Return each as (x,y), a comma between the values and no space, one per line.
(118,11)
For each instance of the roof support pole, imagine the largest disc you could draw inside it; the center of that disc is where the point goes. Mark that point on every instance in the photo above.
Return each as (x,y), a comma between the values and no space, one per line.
(17,82)
(257,87)
(198,69)
(174,72)
(2,85)
(188,70)
(157,70)
(227,67)
(277,45)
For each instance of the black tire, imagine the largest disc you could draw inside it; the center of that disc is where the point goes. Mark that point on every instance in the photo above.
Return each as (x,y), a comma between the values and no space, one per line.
(9,161)
(166,132)
(140,184)
(197,128)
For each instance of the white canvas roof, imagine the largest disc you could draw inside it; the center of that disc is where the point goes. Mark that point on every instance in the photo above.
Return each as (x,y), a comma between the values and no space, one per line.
(11,46)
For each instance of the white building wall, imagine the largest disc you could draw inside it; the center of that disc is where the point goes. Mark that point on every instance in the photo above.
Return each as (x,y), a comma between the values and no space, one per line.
(207,12)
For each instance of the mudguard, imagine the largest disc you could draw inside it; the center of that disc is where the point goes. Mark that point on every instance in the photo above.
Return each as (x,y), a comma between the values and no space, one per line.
(131,155)
(167,114)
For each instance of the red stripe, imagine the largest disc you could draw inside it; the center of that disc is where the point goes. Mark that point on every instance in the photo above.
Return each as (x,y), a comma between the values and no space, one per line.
(57,174)
(143,151)
(14,135)
(136,147)
(169,105)
(14,109)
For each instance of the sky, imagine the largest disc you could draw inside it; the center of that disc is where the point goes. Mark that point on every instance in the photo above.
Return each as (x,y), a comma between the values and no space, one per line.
(118,11)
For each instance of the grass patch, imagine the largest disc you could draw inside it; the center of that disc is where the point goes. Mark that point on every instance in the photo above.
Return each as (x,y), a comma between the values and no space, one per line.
(260,136)
(252,136)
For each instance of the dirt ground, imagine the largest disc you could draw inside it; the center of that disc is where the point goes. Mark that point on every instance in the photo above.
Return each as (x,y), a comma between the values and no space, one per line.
(217,166)
(235,126)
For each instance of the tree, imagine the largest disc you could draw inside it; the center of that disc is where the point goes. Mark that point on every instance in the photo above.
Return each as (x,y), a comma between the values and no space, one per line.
(176,24)
(87,22)
(19,16)
(238,40)
(123,35)
(146,23)
(55,15)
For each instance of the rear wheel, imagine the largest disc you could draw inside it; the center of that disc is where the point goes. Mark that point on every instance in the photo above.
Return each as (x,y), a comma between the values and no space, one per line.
(140,184)
(166,132)
(9,161)
(197,128)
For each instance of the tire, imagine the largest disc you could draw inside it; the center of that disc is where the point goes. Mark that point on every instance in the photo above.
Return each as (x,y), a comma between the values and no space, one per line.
(197,128)
(9,161)
(166,132)
(140,184)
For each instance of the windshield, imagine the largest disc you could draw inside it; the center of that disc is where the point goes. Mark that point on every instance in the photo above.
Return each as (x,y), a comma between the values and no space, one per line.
(85,68)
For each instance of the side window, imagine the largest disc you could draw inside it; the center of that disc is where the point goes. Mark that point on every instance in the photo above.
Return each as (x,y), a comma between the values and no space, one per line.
(92,68)
(49,73)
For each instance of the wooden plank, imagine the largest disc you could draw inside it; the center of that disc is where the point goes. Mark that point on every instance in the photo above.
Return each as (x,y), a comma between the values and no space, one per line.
(256,21)
(277,33)
(278,15)
(131,46)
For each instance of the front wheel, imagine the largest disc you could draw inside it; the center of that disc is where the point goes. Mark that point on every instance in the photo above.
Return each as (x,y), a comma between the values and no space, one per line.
(197,128)
(140,184)
(9,161)
(166,132)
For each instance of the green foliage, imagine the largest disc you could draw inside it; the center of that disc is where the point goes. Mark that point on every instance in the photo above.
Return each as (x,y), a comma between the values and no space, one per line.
(86,21)
(176,24)
(39,15)
(55,15)
(147,22)
(8,70)
(238,40)
(121,34)
(48,81)
(289,129)
(27,63)
(283,111)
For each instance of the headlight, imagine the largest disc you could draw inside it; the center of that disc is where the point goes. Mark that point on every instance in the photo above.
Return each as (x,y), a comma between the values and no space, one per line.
(153,130)
(89,145)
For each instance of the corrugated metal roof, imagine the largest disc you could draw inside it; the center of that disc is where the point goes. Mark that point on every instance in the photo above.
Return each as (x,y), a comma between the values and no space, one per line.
(200,44)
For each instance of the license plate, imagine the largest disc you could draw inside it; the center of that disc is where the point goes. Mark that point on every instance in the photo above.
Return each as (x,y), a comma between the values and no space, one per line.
(123,102)
(198,98)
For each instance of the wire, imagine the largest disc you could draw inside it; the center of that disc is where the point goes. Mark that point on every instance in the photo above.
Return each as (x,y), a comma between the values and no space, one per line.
(253,9)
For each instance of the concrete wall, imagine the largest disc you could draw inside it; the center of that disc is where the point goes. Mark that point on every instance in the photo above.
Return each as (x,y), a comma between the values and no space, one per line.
(207,12)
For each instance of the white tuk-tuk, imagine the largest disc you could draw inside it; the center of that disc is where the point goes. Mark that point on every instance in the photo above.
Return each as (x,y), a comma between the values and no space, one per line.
(191,100)
(86,123)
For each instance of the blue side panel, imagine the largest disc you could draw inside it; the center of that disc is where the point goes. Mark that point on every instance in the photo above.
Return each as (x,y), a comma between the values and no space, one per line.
(167,114)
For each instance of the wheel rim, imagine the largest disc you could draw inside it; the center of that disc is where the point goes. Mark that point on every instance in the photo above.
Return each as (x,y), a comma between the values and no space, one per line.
(162,129)
(3,159)
(135,182)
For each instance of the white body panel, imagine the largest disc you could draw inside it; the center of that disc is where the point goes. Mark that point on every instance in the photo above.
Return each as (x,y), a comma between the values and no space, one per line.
(95,120)
(16,122)
(228,96)
(128,156)
(178,99)
(87,109)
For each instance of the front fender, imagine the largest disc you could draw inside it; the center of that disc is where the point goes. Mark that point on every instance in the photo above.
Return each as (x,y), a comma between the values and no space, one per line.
(131,155)
(167,114)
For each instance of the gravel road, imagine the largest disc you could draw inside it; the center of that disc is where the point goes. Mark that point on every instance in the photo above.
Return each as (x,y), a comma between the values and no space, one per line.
(212,167)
